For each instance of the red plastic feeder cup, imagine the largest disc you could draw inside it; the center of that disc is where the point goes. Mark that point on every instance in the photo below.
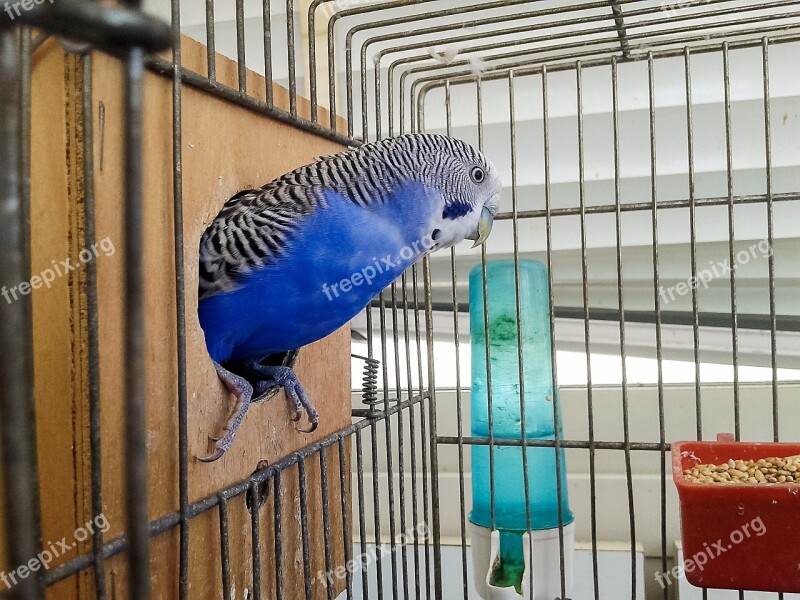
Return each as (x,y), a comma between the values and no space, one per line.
(740,536)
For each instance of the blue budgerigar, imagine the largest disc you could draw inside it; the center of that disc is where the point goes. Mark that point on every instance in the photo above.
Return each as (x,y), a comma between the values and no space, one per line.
(288,264)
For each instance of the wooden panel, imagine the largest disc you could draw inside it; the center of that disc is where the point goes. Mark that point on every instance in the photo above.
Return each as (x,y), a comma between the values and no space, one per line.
(225,149)
(194,58)
(60,367)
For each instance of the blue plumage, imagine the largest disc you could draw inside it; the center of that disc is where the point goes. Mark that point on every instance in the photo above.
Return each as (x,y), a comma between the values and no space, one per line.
(286,265)
(285,306)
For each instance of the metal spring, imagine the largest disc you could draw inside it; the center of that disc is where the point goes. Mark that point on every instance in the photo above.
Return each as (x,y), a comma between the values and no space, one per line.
(369,382)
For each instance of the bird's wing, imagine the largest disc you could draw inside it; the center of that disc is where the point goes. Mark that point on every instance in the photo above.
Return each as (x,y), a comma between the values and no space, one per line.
(254,226)
(251,230)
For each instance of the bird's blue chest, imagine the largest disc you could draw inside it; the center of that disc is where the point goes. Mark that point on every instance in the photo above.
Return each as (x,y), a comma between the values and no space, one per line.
(337,260)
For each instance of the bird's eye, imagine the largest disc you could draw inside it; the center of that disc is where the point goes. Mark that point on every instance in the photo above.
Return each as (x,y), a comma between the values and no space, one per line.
(477,174)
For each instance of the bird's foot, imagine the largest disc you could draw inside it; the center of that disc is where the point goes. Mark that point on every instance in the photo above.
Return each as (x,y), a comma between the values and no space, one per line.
(243,391)
(295,395)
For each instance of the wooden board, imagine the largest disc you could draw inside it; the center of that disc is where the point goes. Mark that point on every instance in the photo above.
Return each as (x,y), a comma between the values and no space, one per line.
(225,148)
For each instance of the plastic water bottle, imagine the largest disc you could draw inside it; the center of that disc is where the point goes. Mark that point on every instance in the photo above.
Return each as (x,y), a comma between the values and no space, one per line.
(511,337)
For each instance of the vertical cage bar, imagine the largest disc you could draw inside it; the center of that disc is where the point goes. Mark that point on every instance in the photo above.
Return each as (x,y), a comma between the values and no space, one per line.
(326,522)
(434,446)
(693,242)
(21,485)
(770,238)
(365,94)
(401,111)
(304,535)
(388,454)
(376,506)
(551,299)
(586,323)
(622,348)
(312,60)
(135,370)
(389,101)
(255,531)
(726,76)
(459,400)
(412,438)
(332,79)
(180,301)
(292,66)
(657,303)
(347,533)
(429,438)
(486,328)
(422,431)
(225,548)
(25,101)
(518,310)
(92,331)
(211,41)
(267,19)
(362,522)
(378,118)
(241,59)
(400,443)
(278,519)
(557,453)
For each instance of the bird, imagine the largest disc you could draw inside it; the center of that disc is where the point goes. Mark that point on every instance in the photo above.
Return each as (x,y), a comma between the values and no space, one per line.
(290,263)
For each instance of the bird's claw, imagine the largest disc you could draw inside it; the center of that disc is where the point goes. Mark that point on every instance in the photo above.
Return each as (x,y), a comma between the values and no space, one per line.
(243,391)
(302,403)
(312,427)
(211,458)
(221,448)
(299,402)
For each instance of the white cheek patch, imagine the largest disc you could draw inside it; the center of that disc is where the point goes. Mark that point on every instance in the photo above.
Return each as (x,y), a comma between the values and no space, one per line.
(453,231)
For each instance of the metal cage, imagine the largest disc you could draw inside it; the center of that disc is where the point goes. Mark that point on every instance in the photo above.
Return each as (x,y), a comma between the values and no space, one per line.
(408,65)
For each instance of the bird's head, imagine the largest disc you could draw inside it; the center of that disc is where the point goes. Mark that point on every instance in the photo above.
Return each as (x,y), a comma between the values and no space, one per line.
(469,187)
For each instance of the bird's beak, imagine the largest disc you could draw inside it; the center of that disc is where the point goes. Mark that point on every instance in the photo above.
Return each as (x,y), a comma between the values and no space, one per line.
(484,227)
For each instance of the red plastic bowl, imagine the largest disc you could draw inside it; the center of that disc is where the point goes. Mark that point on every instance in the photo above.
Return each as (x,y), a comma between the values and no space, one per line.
(746,535)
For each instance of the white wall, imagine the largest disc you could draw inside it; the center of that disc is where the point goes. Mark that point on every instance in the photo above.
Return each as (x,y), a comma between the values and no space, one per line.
(611,503)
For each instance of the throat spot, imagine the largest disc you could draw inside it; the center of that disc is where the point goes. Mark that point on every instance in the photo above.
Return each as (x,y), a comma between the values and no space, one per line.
(457,209)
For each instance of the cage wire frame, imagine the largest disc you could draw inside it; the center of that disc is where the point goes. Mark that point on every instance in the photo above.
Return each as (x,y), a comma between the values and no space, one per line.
(603,33)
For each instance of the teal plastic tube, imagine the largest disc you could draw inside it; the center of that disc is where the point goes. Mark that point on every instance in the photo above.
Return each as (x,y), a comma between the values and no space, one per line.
(504,343)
